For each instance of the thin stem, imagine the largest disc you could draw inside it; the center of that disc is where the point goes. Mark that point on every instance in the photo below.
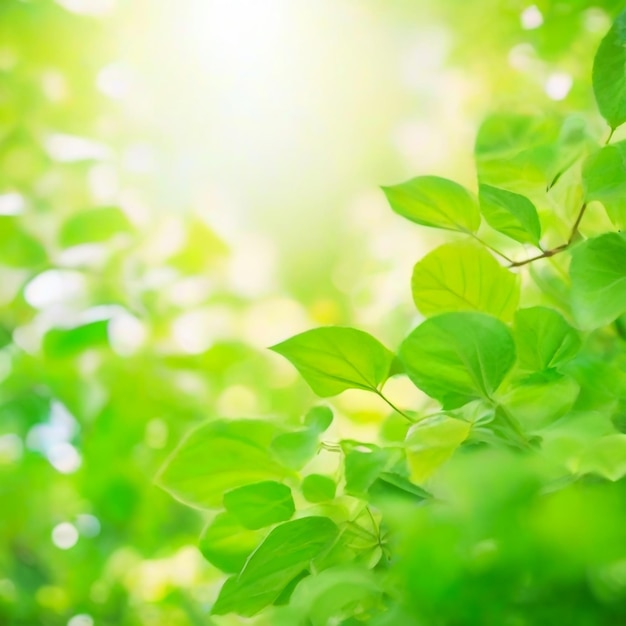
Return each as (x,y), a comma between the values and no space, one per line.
(392,405)
(608,139)
(579,218)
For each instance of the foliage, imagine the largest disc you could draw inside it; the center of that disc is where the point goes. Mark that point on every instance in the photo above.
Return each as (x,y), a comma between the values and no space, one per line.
(504,501)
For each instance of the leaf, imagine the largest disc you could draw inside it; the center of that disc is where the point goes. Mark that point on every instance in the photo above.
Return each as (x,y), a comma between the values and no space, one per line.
(510,213)
(362,468)
(463,276)
(260,504)
(606,456)
(394,486)
(543,339)
(94,226)
(609,74)
(604,179)
(68,342)
(333,358)
(434,201)
(217,457)
(17,247)
(295,449)
(319,418)
(458,357)
(318,488)
(284,553)
(598,274)
(226,544)
(431,442)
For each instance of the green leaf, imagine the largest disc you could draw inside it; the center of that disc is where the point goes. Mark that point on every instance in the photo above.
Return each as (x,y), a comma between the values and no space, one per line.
(606,456)
(217,457)
(609,74)
(68,342)
(458,357)
(394,486)
(333,358)
(431,442)
(436,202)
(510,213)
(604,179)
(543,339)
(94,226)
(362,468)
(295,449)
(226,544)
(285,553)
(319,418)
(463,276)
(318,488)
(598,274)
(17,247)
(260,504)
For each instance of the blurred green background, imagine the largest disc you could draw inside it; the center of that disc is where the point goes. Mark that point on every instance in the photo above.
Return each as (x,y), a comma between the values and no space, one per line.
(183,183)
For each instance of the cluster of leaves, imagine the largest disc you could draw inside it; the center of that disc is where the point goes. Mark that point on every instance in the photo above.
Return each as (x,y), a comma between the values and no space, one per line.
(471,513)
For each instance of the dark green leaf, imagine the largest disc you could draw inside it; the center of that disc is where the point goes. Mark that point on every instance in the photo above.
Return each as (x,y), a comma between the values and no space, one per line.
(333,358)
(463,276)
(458,357)
(260,504)
(436,202)
(609,74)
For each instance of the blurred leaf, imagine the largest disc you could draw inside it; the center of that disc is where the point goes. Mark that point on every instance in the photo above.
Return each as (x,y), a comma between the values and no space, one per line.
(604,178)
(609,75)
(319,418)
(543,339)
(606,457)
(318,488)
(510,213)
(434,201)
(598,274)
(463,276)
(217,457)
(226,544)
(284,553)
(295,449)
(260,504)
(94,226)
(68,342)
(458,357)
(17,247)
(332,359)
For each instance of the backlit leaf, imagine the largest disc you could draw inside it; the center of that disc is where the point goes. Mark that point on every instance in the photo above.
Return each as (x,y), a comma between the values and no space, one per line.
(260,504)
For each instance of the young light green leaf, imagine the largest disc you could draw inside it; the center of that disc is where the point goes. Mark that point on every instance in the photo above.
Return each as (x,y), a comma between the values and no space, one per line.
(226,544)
(437,202)
(217,457)
(362,468)
(606,456)
(598,274)
(604,179)
(609,74)
(333,358)
(463,276)
(318,418)
(18,248)
(543,339)
(458,357)
(510,213)
(284,554)
(318,488)
(295,449)
(260,504)
(431,442)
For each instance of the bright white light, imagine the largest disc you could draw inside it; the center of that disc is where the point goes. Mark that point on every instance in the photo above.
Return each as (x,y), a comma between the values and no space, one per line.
(81,620)
(126,334)
(11,203)
(558,85)
(88,7)
(115,81)
(69,149)
(64,457)
(531,18)
(54,287)
(64,536)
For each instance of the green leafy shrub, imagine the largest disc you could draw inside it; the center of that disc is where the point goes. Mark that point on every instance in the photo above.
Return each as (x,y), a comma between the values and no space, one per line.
(503,501)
